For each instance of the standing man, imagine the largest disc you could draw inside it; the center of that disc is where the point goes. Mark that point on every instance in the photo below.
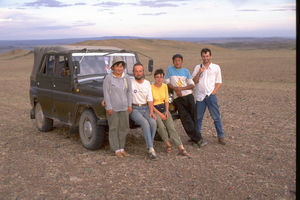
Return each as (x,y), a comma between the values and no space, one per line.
(180,80)
(142,107)
(208,79)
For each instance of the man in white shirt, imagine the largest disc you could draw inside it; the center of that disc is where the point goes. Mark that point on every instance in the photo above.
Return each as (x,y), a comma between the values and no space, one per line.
(208,79)
(142,107)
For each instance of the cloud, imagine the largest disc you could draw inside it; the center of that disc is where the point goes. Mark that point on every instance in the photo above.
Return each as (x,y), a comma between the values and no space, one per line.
(46,3)
(109,4)
(285,7)
(82,23)
(79,4)
(154,14)
(248,10)
(160,3)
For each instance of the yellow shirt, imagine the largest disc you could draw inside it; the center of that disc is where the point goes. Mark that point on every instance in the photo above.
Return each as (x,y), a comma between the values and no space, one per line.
(160,94)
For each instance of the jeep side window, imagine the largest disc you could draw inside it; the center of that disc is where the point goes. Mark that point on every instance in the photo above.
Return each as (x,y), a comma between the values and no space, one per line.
(61,66)
(48,69)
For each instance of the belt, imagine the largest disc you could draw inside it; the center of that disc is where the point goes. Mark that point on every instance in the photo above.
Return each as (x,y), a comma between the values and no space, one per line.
(139,104)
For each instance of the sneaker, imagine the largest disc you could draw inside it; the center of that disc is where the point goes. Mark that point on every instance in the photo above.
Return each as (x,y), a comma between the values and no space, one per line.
(221,141)
(125,154)
(119,154)
(202,142)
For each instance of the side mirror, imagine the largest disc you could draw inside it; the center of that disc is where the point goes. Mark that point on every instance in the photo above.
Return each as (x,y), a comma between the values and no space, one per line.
(150,65)
(76,67)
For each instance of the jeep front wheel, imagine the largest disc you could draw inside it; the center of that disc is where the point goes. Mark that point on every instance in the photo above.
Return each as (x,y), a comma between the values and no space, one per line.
(91,134)
(42,123)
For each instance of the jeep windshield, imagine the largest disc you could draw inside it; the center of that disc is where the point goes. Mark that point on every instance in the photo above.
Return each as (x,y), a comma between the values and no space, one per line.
(97,65)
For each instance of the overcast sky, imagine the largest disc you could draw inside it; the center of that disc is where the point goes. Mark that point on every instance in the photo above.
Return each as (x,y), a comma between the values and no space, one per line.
(55,19)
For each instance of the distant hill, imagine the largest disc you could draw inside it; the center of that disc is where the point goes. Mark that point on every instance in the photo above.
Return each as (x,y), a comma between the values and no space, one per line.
(231,43)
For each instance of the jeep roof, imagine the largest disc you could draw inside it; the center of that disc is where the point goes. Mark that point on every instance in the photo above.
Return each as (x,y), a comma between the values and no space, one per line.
(65,49)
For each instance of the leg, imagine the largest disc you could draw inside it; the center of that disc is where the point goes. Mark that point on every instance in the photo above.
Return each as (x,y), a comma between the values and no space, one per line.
(123,128)
(113,122)
(200,110)
(161,129)
(212,103)
(152,123)
(169,124)
(137,116)
(184,105)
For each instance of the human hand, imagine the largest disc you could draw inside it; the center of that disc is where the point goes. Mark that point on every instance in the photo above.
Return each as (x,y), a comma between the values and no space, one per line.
(178,93)
(103,103)
(152,115)
(129,109)
(166,114)
(109,112)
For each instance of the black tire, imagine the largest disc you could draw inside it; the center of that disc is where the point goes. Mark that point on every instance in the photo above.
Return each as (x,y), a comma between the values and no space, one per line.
(91,134)
(42,123)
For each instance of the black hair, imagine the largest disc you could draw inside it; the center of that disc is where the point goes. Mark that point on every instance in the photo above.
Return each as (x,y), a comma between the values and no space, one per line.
(117,63)
(205,50)
(177,56)
(159,71)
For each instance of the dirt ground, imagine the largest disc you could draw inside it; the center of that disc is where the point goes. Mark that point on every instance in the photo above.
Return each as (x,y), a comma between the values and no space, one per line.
(258,108)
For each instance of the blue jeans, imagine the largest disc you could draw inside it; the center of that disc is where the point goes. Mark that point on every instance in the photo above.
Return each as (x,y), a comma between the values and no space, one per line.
(140,115)
(211,102)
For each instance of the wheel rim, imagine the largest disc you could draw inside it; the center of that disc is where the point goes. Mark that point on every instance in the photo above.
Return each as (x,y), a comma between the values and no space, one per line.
(87,129)
(39,116)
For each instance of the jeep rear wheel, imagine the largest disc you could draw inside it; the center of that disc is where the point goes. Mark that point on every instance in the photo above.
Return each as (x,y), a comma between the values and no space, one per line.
(42,123)
(91,134)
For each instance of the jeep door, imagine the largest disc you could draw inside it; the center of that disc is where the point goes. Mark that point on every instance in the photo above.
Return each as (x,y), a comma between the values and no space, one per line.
(62,89)
(44,85)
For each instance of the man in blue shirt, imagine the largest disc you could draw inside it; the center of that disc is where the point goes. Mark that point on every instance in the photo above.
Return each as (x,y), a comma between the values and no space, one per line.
(180,80)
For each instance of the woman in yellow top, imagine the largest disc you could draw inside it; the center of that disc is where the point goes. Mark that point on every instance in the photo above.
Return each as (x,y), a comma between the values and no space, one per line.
(165,124)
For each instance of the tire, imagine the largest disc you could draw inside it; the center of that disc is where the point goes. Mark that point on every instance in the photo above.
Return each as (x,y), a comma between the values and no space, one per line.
(42,123)
(91,134)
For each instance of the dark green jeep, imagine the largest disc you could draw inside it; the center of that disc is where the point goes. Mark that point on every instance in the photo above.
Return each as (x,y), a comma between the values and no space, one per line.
(66,85)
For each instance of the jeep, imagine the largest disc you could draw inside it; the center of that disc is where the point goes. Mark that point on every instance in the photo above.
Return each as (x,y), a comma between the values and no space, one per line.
(66,85)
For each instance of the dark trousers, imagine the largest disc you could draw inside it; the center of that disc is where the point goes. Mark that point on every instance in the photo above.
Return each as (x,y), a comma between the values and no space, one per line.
(186,111)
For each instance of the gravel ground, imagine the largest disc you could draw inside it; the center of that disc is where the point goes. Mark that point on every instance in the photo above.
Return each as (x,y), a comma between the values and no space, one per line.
(258,161)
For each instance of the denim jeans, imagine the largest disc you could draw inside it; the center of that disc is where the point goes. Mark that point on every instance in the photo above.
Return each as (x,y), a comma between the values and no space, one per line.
(140,115)
(211,102)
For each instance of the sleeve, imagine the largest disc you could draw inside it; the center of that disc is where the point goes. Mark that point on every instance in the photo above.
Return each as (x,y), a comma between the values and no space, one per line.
(166,94)
(189,78)
(149,96)
(106,91)
(129,91)
(167,77)
(196,69)
(218,75)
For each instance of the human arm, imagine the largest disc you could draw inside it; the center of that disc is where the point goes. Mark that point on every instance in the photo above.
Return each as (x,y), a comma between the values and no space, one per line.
(197,72)
(151,114)
(217,86)
(129,94)
(106,91)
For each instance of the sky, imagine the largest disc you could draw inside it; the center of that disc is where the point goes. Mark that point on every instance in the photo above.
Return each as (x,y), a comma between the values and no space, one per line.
(58,19)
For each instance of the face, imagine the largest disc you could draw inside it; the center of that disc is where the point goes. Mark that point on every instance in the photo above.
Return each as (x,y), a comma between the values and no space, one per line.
(118,69)
(138,72)
(159,78)
(206,57)
(177,62)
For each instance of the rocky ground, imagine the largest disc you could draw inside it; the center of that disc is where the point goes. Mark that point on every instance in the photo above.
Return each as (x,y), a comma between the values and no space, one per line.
(257,102)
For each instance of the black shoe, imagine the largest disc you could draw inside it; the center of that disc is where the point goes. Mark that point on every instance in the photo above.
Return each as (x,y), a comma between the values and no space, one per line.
(202,142)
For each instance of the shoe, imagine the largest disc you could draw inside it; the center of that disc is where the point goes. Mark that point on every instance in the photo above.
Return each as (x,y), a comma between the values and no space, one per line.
(202,142)
(221,141)
(125,154)
(183,152)
(169,147)
(153,156)
(119,154)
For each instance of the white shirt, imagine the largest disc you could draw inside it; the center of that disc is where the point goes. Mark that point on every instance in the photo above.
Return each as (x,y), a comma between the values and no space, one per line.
(141,92)
(207,80)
